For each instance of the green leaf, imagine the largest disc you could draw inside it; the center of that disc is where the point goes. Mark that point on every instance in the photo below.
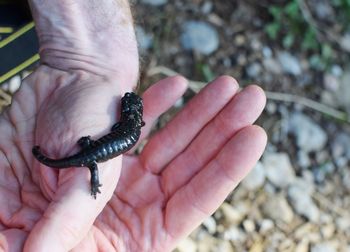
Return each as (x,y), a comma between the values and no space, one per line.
(276,12)
(288,40)
(292,10)
(272,30)
(310,41)
(316,62)
(207,72)
(326,51)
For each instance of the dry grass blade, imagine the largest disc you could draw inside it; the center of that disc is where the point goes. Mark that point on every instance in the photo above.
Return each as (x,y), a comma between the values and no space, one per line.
(5,97)
(196,86)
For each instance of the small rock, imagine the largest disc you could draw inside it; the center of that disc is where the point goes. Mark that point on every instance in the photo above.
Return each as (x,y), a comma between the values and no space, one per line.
(336,70)
(278,209)
(210,225)
(234,234)
(255,44)
(323,10)
(326,218)
(223,246)
(327,231)
(305,79)
(303,159)
(255,178)
(207,7)
(239,40)
(286,245)
(343,223)
(207,243)
(309,135)
(199,36)
(249,225)
(331,82)
(230,214)
(266,225)
(324,247)
(267,52)
(254,70)
(302,246)
(272,66)
(341,145)
(322,156)
(278,169)
(257,246)
(154,2)
(345,42)
(187,245)
(179,103)
(320,172)
(290,64)
(307,176)
(304,185)
(14,83)
(241,60)
(215,19)
(305,231)
(144,40)
(302,202)
(271,107)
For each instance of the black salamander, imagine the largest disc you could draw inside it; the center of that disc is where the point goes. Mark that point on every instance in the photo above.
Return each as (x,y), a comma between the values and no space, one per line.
(123,136)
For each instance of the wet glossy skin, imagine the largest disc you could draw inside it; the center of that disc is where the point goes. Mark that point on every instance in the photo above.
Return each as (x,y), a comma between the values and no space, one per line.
(124,135)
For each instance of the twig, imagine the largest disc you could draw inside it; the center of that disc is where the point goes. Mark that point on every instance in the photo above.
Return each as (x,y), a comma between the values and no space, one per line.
(319,107)
(196,86)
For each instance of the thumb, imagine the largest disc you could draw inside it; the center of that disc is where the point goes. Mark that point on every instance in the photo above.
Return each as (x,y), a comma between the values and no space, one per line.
(72,212)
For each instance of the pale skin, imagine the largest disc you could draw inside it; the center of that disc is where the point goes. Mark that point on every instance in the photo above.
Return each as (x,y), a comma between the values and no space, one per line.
(148,202)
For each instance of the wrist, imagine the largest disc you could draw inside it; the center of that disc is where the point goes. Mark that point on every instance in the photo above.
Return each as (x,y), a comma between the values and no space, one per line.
(97,38)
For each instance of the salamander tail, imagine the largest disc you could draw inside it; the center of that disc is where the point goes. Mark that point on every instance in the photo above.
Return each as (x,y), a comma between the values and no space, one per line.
(59,163)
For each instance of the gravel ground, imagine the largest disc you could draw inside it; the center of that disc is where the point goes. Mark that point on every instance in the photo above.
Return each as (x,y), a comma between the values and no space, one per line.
(297,197)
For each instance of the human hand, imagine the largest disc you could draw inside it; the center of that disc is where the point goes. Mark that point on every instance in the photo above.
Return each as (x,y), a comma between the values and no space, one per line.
(50,210)
(182,175)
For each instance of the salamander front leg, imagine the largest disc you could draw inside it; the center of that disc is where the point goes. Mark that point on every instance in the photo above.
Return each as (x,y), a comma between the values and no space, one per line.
(94,180)
(85,142)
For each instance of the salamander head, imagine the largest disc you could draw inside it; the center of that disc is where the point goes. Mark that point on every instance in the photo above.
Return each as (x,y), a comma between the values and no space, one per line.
(132,108)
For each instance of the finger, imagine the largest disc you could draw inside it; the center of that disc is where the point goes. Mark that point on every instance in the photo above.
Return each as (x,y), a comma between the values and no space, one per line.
(177,134)
(159,98)
(208,189)
(240,112)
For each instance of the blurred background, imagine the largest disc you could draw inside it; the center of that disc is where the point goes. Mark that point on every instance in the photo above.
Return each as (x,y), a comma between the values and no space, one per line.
(297,198)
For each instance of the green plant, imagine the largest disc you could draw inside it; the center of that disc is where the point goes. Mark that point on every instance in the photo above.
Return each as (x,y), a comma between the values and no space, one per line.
(290,27)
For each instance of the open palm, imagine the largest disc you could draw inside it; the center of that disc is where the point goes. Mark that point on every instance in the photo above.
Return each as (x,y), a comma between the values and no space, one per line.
(182,175)
(148,202)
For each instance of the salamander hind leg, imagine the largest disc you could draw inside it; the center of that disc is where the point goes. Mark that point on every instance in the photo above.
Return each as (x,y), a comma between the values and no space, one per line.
(85,142)
(94,180)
